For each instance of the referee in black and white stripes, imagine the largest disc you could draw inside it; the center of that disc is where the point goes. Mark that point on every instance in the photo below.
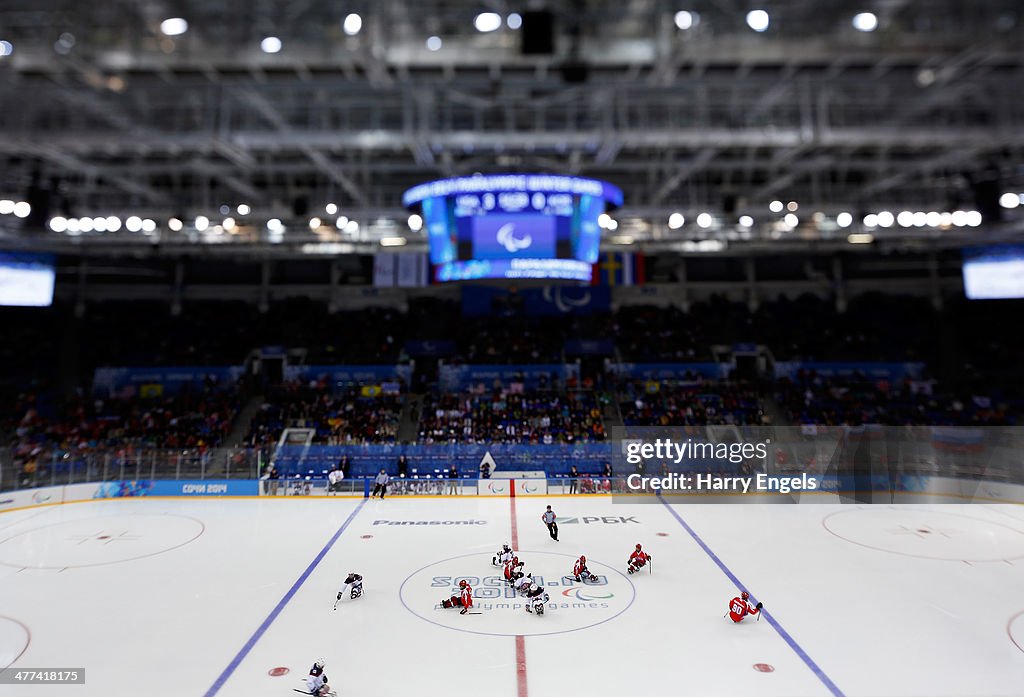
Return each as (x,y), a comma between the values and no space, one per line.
(549,520)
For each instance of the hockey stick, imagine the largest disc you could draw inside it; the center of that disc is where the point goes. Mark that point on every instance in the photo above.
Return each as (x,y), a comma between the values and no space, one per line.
(338,600)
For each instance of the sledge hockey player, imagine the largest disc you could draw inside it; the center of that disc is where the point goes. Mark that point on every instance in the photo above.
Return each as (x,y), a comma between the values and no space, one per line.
(580,571)
(637,560)
(536,597)
(522,583)
(316,681)
(356,582)
(511,568)
(502,556)
(740,607)
(463,600)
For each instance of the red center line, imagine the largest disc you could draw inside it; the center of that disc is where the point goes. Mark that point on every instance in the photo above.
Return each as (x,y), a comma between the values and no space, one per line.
(520,640)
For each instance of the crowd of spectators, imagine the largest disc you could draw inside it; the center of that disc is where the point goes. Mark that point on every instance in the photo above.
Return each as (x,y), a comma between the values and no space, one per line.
(501,416)
(351,414)
(689,402)
(855,399)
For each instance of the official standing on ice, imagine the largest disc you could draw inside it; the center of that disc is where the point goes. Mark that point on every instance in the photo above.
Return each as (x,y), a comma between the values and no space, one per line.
(549,520)
(380,485)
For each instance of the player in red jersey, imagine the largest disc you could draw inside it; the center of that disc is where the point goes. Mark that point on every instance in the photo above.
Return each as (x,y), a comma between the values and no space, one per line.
(580,571)
(511,568)
(463,600)
(637,560)
(740,607)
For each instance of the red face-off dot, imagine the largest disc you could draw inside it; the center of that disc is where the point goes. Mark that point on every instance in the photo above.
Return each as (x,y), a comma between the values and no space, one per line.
(365,537)
(764,668)
(661,534)
(277,672)
(103,537)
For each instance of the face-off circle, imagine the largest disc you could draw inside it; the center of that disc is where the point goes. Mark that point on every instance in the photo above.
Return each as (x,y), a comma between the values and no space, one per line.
(1014,628)
(572,606)
(927,534)
(14,639)
(99,540)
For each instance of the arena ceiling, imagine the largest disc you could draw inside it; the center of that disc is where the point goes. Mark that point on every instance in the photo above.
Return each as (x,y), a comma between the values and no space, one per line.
(116,114)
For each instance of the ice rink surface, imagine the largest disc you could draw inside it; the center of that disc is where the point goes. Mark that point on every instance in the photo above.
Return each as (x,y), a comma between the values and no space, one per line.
(175,598)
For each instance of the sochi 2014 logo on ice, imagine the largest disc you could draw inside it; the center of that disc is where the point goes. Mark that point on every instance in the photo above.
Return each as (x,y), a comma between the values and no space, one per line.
(499,610)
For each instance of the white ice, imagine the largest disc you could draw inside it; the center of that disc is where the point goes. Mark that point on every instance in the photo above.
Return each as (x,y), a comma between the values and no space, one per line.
(158,598)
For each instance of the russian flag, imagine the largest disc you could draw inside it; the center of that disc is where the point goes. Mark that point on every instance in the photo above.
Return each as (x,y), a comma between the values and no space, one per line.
(618,269)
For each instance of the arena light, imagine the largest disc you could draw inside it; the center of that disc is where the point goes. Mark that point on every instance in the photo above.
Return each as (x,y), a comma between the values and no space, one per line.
(148,225)
(933,219)
(704,220)
(74,228)
(1009,200)
(85,224)
(173,26)
(791,220)
(776,206)
(920,219)
(392,241)
(973,219)
(99,224)
(6,48)
(271,44)
(415,222)
(331,208)
(352,227)
(870,220)
(959,218)
(604,220)
(676,221)
(275,225)
(201,223)
(905,219)
(6,206)
(844,219)
(487,22)
(623,239)
(175,225)
(434,43)
(746,221)
(865,21)
(133,224)
(886,219)
(229,224)
(341,222)
(58,224)
(792,206)
(684,20)
(353,24)
(758,20)
(315,223)
(860,238)
(514,21)
(613,224)
(22,209)
(243,209)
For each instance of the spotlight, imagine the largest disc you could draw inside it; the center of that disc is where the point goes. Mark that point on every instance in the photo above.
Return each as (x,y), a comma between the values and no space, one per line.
(353,24)
(434,43)
(758,20)
(415,222)
(865,21)
(676,221)
(174,26)
(271,44)
(844,219)
(487,22)
(776,206)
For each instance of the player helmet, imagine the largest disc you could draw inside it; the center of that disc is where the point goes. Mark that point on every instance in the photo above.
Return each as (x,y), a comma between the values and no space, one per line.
(506,548)
(533,586)
(515,560)
(462,583)
(744,595)
(638,547)
(583,558)
(319,665)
